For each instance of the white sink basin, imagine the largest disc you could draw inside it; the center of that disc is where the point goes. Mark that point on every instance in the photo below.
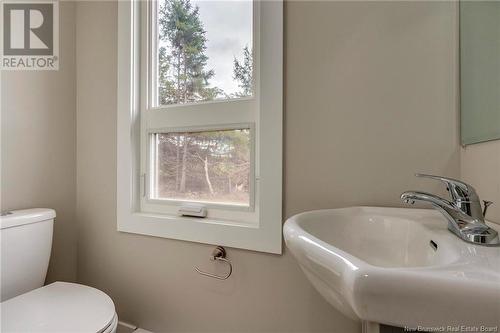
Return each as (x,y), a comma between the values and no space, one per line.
(397,266)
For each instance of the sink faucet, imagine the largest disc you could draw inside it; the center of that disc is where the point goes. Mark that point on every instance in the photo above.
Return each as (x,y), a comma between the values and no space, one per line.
(464,214)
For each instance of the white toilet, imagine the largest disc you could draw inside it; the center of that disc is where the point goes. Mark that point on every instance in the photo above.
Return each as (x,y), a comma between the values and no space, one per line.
(27,305)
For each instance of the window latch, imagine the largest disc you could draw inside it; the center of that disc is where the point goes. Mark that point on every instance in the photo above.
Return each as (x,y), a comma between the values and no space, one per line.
(193,210)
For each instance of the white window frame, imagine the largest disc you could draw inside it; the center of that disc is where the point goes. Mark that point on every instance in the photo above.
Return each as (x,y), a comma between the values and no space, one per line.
(256,227)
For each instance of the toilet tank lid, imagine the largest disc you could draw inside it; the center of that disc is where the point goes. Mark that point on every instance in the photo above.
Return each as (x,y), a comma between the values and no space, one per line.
(25,216)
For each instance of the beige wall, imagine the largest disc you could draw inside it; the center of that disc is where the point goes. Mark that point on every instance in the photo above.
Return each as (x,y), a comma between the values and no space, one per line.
(371,98)
(481,167)
(38,141)
(370,94)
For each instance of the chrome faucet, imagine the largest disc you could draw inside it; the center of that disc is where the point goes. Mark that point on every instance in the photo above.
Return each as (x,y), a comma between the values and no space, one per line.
(464,214)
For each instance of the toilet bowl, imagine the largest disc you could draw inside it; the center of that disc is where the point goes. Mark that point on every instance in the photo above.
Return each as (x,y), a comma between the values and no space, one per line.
(27,305)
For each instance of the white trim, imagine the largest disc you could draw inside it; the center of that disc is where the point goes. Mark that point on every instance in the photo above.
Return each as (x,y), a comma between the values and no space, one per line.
(261,230)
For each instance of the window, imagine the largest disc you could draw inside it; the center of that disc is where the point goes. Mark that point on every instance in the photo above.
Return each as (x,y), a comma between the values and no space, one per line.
(199,120)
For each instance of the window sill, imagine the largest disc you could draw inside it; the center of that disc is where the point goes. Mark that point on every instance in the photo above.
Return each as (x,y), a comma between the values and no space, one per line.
(249,236)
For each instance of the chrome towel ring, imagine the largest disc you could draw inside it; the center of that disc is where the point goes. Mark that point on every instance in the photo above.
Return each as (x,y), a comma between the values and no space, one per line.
(218,254)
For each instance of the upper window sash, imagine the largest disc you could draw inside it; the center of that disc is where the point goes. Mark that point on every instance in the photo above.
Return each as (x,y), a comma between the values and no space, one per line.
(150,47)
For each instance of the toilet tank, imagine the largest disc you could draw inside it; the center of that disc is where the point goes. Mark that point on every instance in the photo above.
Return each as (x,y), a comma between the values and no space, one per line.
(26,242)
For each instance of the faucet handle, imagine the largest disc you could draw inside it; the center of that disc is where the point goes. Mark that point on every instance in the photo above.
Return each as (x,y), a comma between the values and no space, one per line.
(459,190)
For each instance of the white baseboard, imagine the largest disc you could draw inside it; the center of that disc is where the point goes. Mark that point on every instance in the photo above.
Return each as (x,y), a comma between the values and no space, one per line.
(124,327)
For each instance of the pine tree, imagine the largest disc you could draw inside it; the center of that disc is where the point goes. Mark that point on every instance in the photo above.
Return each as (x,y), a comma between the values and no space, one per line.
(243,73)
(181,27)
(166,88)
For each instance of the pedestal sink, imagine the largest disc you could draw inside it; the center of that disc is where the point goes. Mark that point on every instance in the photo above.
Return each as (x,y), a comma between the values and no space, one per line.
(396,266)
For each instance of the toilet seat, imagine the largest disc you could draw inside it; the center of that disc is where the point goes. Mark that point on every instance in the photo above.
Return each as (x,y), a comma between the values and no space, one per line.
(112,326)
(60,307)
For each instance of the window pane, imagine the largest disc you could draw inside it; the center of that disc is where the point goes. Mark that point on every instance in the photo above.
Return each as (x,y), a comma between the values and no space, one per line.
(211,166)
(204,50)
